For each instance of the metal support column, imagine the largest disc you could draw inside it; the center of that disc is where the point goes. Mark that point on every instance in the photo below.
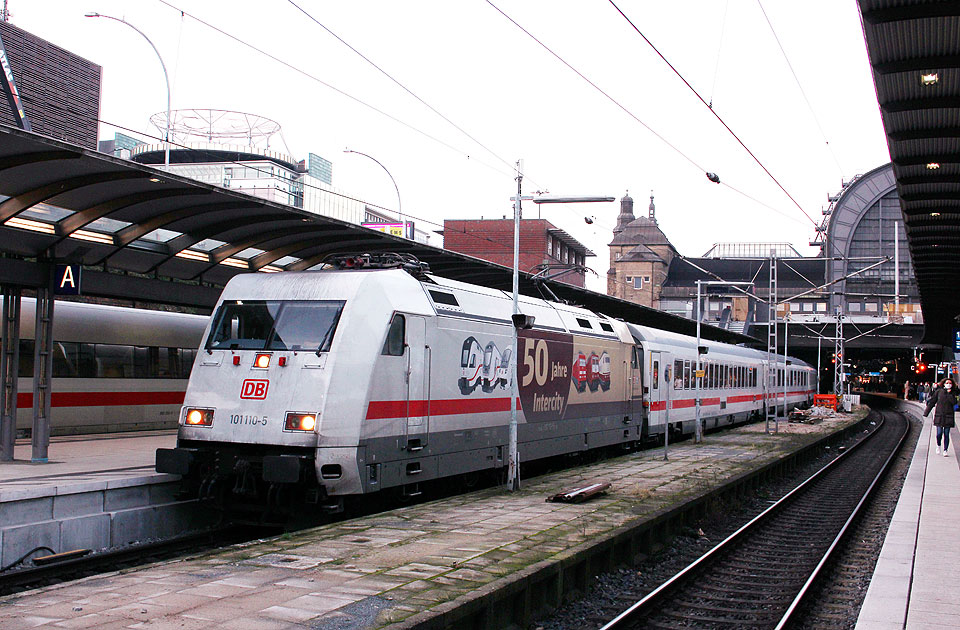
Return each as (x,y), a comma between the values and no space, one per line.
(770,389)
(786,361)
(838,355)
(698,426)
(42,373)
(9,371)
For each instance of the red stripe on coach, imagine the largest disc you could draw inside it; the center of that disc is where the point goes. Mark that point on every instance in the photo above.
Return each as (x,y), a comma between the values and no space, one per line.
(104,399)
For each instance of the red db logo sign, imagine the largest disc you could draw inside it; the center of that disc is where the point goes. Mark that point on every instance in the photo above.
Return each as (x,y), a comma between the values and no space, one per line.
(254,389)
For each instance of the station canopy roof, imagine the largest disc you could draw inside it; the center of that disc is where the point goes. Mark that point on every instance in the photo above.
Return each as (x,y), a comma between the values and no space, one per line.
(914,51)
(147,235)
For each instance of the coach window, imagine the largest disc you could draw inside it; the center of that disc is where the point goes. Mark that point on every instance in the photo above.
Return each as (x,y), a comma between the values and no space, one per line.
(113,361)
(64,359)
(656,374)
(393,346)
(678,374)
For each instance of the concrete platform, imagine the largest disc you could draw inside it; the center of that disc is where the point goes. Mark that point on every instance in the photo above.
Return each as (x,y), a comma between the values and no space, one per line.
(471,560)
(915,585)
(97,492)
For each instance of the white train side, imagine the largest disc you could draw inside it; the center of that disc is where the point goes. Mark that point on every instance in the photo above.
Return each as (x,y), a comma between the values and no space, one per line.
(329,384)
(114,368)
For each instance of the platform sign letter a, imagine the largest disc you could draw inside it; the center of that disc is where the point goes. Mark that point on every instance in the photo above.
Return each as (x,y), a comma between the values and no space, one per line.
(67,280)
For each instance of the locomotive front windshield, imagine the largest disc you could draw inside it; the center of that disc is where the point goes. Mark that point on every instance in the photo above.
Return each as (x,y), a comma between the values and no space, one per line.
(275,325)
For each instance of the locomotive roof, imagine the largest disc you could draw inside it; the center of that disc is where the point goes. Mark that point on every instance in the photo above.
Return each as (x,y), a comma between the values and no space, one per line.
(480,301)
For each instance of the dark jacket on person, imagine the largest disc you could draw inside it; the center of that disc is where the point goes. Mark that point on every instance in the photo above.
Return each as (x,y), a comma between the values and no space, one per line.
(944,402)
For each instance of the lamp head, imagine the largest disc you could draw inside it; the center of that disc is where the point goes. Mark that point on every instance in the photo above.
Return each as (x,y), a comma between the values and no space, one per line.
(91,14)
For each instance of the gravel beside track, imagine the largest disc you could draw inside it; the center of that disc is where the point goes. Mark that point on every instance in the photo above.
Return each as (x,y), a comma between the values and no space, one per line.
(841,594)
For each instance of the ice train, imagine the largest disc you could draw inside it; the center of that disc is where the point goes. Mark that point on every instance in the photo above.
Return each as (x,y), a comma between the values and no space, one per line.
(325,384)
(114,368)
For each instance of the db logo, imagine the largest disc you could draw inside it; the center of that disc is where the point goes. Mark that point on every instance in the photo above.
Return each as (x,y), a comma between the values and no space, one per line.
(254,389)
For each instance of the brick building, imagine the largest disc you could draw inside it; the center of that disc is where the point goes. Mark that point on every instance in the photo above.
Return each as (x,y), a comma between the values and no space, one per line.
(640,256)
(543,246)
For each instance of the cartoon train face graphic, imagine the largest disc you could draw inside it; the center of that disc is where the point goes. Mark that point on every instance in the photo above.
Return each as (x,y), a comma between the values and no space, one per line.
(604,371)
(579,374)
(471,366)
(591,372)
(484,367)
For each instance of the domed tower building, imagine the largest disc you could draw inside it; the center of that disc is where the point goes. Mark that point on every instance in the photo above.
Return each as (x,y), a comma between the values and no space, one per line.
(640,256)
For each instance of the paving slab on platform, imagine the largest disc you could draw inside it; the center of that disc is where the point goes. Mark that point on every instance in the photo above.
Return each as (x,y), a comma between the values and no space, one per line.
(80,459)
(914,585)
(370,572)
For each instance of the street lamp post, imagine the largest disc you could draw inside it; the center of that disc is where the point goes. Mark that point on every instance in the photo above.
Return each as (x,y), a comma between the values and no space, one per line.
(395,187)
(513,455)
(166,77)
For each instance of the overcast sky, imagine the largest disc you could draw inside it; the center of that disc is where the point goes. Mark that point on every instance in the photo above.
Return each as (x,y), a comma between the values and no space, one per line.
(517,101)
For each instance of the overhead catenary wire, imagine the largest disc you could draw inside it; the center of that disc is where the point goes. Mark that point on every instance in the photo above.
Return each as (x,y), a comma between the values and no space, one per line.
(712,111)
(638,120)
(598,88)
(402,86)
(330,86)
(305,184)
(813,113)
(716,67)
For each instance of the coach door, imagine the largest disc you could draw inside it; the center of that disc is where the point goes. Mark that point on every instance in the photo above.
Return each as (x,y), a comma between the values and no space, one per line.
(636,382)
(418,383)
(659,391)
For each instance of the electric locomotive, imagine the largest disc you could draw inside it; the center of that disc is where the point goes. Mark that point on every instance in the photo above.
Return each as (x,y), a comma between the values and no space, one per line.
(374,375)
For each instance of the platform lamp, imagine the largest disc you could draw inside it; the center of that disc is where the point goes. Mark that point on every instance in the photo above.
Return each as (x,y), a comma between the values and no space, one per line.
(395,187)
(166,77)
(524,321)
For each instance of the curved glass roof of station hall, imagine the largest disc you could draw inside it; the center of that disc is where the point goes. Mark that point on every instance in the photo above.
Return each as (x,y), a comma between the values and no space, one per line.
(861,232)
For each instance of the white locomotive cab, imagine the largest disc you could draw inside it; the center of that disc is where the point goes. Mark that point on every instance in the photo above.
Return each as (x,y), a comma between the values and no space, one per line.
(281,351)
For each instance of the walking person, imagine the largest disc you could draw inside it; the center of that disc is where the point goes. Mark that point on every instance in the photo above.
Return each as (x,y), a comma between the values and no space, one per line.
(942,401)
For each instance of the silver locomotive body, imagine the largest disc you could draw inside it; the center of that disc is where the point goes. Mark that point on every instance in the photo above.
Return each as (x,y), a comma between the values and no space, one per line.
(337,383)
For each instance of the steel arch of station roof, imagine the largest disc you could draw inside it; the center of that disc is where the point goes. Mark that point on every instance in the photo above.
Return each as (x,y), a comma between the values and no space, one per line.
(914,52)
(65,204)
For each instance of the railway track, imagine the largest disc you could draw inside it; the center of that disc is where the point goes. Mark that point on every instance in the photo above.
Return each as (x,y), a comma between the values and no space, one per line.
(760,575)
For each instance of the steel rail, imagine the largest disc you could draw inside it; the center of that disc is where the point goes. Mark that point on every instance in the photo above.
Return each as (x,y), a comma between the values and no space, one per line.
(24,578)
(807,587)
(657,595)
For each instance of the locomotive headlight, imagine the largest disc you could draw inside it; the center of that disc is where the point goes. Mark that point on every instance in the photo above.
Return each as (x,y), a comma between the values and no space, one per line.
(199,417)
(262,361)
(301,422)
